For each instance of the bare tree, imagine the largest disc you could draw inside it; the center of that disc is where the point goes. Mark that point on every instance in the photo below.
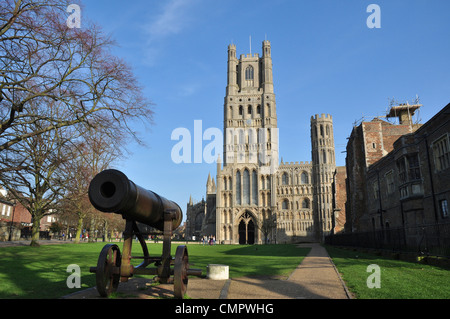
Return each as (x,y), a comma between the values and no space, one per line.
(57,82)
(38,184)
(89,156)
(42,59)
(267,225)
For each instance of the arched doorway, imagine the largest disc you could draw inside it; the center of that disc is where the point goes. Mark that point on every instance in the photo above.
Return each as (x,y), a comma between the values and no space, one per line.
(246,229)
(242,233)
(250,233)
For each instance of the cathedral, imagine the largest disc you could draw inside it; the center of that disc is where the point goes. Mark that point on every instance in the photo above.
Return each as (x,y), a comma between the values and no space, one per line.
(256,198)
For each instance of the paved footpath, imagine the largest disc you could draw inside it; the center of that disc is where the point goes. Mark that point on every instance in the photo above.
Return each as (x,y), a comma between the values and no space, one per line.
(315,278)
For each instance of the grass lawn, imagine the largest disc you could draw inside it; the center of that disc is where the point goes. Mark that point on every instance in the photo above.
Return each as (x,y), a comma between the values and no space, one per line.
(398,279)
(41,272)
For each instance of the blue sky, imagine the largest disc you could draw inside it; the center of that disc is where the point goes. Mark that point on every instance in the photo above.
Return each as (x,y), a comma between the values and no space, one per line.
(325,60)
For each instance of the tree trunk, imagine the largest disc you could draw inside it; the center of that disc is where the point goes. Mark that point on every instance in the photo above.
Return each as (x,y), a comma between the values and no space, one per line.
(105,231)
(67,232)
(35,232)
(79,228)
(92,232)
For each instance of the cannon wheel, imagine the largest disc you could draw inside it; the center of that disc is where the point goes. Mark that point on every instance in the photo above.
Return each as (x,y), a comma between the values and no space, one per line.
(180,278)
(108,270)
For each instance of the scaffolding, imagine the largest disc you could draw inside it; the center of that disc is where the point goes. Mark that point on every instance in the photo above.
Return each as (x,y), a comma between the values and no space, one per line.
(404,111)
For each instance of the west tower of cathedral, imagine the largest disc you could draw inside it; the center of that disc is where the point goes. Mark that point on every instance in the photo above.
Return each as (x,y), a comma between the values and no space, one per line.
(257,198)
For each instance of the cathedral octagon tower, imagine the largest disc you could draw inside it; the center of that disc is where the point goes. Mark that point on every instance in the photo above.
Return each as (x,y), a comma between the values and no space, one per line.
(324,167)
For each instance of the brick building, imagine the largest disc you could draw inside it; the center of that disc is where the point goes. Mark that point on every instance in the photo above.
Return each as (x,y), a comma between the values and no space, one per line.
(339,199)
(15,213)
(398,175)
(370,141)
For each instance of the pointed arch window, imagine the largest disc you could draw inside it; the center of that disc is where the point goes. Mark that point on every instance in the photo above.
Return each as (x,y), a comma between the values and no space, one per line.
(268,112)
(285,204)
(304,178)
(246,188)
(254,188)
(238,188)
(285,179)
(249,73)
(198,222)
(305,203)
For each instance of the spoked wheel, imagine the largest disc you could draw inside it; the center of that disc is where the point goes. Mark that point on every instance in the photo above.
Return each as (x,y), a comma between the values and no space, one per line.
(108,270)
(180,278)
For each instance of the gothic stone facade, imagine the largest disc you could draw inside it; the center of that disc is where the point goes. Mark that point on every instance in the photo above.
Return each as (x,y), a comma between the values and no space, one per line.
(257,198)
(201,216)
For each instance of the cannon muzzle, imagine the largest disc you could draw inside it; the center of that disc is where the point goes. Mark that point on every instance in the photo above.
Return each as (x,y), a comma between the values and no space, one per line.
(112,192)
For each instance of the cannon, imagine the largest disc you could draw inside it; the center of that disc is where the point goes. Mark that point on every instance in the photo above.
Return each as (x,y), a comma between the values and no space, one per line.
(111,191)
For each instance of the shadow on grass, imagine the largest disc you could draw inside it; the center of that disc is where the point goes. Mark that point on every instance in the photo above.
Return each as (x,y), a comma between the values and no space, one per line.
(41,272)
(268,250)
(357,256)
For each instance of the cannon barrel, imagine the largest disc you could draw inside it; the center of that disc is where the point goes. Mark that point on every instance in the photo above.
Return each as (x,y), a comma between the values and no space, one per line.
(111,191)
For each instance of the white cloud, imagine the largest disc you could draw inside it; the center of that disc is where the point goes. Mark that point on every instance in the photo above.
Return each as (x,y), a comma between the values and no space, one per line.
(189,89)
(175,16)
